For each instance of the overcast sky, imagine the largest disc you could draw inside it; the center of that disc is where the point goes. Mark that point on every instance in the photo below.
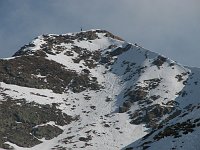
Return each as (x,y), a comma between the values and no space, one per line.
(169,27)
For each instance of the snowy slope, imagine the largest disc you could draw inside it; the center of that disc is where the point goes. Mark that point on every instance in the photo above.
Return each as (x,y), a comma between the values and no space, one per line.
(117,92)
(182,131)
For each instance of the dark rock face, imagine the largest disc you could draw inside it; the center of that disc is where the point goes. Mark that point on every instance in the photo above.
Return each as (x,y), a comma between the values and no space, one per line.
(176,130)
(152,83)
(89,35)
(159,61)
(85,139)
(108,59)
(21,52)
(180,77)
(23,71)
(90,58)
(137,95)
(82,82)
(48,132)
(19,120)
(150,115)
(120,50)
(173,129)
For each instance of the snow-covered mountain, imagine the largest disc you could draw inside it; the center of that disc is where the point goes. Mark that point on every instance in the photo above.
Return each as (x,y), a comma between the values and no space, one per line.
(93,90)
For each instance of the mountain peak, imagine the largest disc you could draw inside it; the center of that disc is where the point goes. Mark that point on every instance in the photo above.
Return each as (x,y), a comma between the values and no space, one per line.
(54,43)
(93,90)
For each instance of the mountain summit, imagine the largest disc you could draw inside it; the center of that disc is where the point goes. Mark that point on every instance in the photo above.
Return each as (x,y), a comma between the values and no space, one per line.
(93,90)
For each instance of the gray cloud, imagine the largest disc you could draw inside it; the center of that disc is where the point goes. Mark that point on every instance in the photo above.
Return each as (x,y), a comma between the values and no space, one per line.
(170,27)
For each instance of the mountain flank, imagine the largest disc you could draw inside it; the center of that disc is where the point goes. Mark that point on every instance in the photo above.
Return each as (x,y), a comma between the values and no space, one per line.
(94,90)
